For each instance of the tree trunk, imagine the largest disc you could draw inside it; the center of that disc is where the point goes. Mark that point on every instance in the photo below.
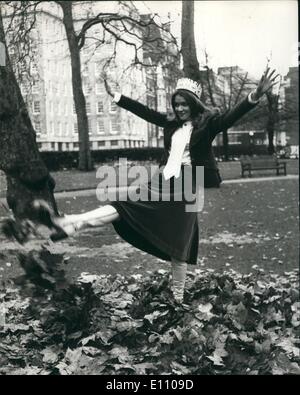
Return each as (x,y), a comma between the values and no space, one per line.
(188,46)
(272,119)
(85,159)
(27,176)
(225,145)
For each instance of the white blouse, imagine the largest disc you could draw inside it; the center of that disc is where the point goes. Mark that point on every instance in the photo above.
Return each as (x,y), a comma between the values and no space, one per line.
(179,152)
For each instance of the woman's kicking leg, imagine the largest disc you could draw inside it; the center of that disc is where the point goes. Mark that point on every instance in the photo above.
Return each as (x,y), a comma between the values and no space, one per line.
(69,224)
(178,279)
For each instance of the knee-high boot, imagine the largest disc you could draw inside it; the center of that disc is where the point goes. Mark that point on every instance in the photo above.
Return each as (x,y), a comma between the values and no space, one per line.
(178,279)
(69,224)
(99,217)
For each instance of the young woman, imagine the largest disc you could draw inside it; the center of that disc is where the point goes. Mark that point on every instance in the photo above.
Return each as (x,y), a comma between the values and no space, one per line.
(166,229)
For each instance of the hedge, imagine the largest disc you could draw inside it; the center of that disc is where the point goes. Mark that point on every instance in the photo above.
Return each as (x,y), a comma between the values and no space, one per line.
(69,159)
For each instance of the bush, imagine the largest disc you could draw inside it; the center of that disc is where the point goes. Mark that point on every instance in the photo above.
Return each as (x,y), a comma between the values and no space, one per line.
(68,160)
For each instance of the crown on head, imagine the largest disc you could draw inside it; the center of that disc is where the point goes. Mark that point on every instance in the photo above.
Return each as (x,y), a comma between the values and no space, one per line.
(189,85)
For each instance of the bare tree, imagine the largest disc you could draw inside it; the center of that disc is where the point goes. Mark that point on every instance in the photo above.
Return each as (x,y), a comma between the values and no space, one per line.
(124,26)
(271,115)
(225,94)
(27,176)
(191,67)
(85,159)
(135,32)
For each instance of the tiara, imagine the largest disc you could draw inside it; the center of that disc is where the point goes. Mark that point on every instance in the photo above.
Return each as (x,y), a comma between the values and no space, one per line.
(189,85)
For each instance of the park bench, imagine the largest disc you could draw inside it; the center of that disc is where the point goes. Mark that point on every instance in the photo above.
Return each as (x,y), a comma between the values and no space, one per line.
(263,162)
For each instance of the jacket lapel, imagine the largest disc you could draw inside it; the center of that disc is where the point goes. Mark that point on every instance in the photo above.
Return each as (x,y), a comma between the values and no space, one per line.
(199,130)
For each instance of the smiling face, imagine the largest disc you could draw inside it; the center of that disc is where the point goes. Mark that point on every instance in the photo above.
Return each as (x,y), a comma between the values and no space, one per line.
(182,109)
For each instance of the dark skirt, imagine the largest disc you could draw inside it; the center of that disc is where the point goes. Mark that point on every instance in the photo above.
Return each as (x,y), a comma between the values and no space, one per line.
(161,226)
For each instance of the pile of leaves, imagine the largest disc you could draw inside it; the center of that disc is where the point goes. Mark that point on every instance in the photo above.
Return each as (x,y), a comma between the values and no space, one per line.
(229,324)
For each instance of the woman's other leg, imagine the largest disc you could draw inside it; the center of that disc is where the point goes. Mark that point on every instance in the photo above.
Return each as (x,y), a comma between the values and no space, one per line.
(179,269)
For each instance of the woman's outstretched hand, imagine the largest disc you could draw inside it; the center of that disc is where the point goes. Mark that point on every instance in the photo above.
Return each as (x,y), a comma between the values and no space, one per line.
(265,84)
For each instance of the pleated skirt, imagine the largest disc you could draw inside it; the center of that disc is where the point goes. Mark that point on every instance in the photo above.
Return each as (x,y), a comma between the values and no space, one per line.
(158,221)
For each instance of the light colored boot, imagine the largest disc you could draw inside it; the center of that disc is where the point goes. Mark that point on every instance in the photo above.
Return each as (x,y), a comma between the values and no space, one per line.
(70,224)
(67,225)
(178,279)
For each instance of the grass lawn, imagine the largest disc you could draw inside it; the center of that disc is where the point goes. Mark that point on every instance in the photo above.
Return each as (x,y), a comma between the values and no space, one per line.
(75,180)
(242,225)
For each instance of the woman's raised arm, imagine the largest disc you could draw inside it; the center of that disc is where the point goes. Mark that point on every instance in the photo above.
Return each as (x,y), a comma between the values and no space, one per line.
(137,108)
(227,119)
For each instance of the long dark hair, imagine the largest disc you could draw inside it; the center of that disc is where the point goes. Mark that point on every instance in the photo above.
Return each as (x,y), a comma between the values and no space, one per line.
(196,106)
(199,111)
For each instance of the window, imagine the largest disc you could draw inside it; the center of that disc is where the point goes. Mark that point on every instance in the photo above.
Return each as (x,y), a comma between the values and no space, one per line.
(100,107)
(35,87)
(74,109)
(100,88)
(53,146)
(88,107)
(25,88)
(114,126)
(234,138)
(113,107)
(101,143)
(59,128)
(36,107)
(87,89)
(34,69)
(90,127)
(114,143)
(75,128)
(100,126)
(37,127)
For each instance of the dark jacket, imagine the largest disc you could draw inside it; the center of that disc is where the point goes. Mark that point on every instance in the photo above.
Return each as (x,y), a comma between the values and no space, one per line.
(205,129)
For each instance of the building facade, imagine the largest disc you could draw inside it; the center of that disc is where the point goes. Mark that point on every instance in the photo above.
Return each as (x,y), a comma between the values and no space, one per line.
(49,94)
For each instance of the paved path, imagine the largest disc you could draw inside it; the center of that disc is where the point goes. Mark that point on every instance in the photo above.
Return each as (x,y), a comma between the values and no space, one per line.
(91,192)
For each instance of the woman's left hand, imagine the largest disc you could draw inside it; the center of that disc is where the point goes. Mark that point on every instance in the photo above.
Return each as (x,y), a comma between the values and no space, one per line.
(265,84)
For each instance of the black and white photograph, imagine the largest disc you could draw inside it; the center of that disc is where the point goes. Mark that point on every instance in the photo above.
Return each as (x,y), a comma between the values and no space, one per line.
(149,190)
